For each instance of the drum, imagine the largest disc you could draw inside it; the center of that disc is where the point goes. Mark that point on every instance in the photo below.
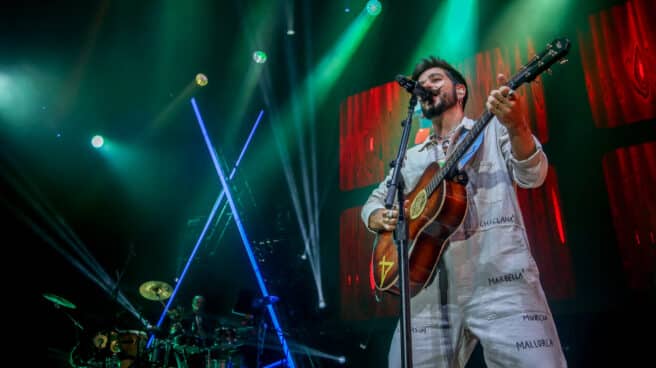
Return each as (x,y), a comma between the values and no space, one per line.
(225,335)
(188,344)
(94,350)
(106,340)
(211,358)
(230,359)
(161,354)
(130,346)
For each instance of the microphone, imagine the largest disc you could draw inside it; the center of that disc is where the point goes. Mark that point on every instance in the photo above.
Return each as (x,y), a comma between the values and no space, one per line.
(414,88)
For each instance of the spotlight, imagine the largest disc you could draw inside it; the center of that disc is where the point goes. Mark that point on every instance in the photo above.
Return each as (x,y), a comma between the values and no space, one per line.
(347,10)
(304,256)
(341,360)
(201,79)
(260,57)
(374,7)
(290,32)
(322,304)
(97,141)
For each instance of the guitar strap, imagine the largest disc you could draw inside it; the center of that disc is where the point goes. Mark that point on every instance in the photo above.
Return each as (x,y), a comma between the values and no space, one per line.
(443,278)
(443,281)
(444,310)
(474,147)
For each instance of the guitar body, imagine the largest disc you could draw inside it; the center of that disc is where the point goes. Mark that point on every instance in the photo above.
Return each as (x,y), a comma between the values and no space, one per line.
(431,220)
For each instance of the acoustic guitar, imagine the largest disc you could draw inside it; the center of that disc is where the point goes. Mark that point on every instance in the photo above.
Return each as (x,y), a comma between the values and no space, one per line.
(438,203)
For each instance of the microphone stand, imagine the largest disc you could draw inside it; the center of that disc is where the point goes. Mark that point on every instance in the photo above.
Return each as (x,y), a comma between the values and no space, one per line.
(73,320)
(395,188)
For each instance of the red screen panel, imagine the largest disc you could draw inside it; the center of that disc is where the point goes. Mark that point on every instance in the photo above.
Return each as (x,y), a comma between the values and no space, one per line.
(370,132)
(618,53)
(631,182)
(545,226)
(358,298)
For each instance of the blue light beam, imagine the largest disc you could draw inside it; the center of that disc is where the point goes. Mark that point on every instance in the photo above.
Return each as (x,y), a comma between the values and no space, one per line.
(246,242)
(216,205)
(275,364)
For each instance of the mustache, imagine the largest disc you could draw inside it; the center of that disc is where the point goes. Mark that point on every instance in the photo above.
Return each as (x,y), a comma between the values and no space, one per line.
(433,92)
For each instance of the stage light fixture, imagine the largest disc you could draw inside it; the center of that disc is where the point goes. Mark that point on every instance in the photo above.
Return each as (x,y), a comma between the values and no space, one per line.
(374,7)
(260,57)
(97,141)
(201,80)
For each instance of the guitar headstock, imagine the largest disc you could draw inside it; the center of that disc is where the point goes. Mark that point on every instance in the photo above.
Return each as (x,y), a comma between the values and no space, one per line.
(554,52)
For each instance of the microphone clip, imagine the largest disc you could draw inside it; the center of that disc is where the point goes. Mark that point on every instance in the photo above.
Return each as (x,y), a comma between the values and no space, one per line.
(414,88)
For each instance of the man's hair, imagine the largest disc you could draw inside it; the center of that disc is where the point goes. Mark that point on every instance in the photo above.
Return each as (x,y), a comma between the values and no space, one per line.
(452,73)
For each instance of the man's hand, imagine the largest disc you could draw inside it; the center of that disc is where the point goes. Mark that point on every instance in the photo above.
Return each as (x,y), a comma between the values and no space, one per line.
(504,105)
(383,219)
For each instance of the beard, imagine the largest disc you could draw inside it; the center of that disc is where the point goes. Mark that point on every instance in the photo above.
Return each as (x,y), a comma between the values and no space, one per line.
(445,103)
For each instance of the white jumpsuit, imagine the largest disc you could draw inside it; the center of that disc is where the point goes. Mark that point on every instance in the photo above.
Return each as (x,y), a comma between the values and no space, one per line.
(494,290)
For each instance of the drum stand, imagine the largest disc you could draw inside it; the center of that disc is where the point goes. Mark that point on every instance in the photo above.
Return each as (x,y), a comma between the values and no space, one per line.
(167,351)
(261,337)
(154,356)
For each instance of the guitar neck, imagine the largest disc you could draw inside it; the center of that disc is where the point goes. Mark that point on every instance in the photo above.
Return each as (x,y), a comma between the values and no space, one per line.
(460,151)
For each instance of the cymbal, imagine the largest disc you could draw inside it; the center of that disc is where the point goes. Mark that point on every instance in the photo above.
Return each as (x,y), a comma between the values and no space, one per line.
(155,290)
(58,300)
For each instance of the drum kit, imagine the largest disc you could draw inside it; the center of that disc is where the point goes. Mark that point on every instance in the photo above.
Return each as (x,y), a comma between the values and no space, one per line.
(179,347)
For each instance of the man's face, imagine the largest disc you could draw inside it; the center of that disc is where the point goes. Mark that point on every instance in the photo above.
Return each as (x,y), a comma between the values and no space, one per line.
(437,81)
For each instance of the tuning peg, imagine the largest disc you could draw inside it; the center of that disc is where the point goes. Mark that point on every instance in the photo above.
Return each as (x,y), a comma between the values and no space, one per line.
(563,60)
(549,71)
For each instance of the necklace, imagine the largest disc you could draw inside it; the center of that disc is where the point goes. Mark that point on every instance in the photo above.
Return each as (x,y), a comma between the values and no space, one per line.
(444,142)
(449,134)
